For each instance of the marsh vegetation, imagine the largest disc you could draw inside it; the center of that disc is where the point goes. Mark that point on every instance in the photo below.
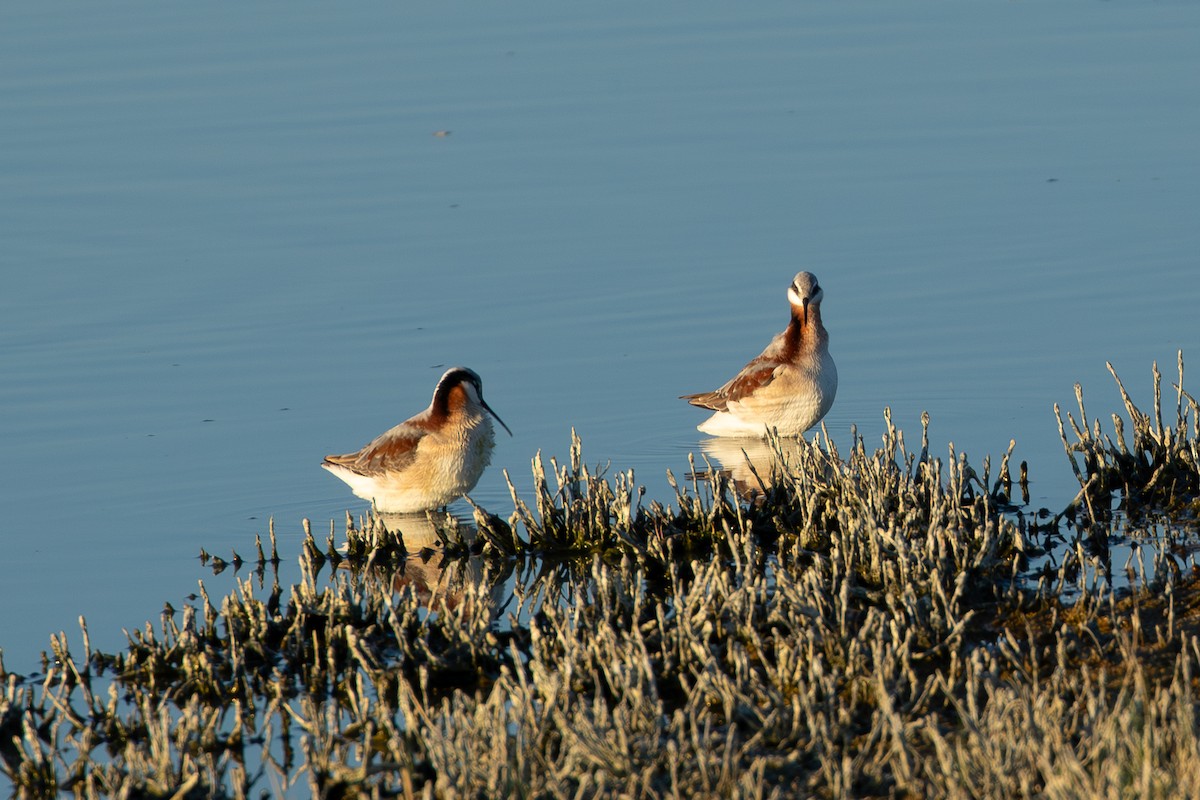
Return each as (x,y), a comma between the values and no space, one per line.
(881,622)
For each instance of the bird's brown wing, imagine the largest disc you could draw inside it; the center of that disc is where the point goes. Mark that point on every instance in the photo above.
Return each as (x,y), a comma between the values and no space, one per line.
(389,452)
(756,374)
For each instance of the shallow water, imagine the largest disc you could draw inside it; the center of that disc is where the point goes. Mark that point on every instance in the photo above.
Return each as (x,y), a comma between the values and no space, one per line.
(233,243)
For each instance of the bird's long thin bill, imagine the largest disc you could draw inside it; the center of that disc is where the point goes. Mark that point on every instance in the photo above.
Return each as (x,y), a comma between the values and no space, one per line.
(494,414)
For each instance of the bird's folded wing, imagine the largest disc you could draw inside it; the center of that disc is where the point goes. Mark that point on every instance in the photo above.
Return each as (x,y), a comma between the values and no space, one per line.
(390,452)
(754,376)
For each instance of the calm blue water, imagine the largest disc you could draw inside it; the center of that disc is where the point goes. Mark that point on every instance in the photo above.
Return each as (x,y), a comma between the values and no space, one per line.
(233,243)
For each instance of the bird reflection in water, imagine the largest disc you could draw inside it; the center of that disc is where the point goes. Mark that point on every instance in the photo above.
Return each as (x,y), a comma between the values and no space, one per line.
(754,465)
(439,582)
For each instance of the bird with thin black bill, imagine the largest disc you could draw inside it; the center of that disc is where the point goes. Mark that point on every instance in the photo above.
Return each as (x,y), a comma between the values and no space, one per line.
(789,387)
(430,459)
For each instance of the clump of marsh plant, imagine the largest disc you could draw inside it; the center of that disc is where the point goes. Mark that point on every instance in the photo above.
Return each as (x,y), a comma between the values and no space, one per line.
(1157,470)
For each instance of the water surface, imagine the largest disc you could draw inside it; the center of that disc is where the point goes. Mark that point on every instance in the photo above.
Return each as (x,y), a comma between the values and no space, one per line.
(233,243)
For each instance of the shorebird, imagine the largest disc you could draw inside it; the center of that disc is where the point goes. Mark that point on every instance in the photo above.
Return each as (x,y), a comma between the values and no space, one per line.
(429,459)
(789,387)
